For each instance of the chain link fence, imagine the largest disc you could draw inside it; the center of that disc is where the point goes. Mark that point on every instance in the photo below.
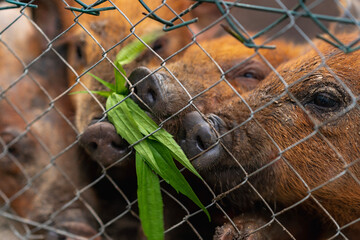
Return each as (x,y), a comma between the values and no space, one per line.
(262,96)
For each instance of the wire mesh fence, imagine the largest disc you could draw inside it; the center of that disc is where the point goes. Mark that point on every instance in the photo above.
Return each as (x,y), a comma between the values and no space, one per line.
(262,96)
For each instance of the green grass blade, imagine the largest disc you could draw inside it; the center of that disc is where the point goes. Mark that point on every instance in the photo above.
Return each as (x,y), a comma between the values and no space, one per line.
(127,128)
(149,201)
(103,82)
(147,126)
(101,93)
(128,54)
(120,80)
(171,174)
(145,123)
(176,151)
(132,50)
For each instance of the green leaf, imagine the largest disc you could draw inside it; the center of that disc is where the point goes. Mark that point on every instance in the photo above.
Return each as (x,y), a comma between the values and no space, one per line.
(172,175)
(132,50)
(128,54)
(120,80)
(149,201)
(101,93)
(126,127)
(146,125)
(103,82)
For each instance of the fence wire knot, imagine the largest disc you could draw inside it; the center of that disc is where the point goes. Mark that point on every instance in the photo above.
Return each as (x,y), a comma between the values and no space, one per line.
(169,25)
(17,4)
(89,9)
(224,8)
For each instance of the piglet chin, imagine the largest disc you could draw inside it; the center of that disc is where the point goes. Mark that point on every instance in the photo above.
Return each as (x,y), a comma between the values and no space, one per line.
(83,230)
(208,159)
(199,138)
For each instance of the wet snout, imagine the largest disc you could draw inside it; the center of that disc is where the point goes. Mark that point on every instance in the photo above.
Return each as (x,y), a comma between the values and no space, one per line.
(147,87)
(103,144)
(157,92)
(199,139)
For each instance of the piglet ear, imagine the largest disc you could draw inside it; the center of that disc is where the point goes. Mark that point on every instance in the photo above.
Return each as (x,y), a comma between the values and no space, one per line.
(207,14)
(50,16)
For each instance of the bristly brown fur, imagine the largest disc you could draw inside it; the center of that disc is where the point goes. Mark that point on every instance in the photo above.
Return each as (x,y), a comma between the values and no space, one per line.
(315,150)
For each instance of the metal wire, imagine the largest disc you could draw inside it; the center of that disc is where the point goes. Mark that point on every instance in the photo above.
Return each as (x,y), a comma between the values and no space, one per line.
(66,184)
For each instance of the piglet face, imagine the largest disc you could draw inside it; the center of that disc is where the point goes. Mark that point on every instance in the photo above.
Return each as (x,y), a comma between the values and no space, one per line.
(296,134)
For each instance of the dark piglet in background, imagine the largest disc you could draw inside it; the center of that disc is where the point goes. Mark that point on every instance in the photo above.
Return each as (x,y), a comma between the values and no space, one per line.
(36,136)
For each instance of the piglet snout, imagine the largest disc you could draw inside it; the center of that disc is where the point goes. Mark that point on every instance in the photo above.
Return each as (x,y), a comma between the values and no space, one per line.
(147,88)
(103,144)
(198,138)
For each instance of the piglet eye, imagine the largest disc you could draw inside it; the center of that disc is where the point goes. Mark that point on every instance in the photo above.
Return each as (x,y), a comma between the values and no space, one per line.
(79,52)
(325,100)
(249,75)
(159,45)
(80,55)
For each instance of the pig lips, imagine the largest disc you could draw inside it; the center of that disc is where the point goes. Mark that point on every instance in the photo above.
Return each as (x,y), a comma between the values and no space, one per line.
(206,159)
(199,139)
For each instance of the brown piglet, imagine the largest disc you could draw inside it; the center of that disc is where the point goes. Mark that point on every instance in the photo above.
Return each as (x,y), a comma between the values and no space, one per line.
(292,144)
(229,70)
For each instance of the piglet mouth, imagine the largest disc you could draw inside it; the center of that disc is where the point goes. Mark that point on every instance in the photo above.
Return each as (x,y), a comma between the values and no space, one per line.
(81,230)
(199,138)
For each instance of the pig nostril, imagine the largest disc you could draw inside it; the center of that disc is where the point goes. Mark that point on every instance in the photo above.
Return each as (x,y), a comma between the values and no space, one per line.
(148,89)
(121,147)
(92,146)
(200,144)
(151,96)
